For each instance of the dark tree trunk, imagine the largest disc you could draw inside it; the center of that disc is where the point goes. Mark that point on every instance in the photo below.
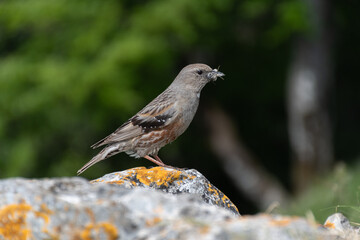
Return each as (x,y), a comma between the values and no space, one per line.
(309,84)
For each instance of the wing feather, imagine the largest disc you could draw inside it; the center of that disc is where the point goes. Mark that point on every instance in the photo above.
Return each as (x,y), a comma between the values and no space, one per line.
(154,116)
(124,132)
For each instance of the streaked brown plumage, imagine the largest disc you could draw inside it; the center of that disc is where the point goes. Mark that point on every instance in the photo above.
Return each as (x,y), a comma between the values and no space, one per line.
(161,121)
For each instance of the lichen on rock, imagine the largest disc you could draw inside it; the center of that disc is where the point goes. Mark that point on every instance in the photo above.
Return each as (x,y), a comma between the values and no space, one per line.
(170,181)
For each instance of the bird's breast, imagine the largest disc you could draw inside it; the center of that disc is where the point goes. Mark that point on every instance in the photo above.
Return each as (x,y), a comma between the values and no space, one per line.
(187,110)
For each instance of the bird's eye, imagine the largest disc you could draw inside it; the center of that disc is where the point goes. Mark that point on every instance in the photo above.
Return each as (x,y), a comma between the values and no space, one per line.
(199,71)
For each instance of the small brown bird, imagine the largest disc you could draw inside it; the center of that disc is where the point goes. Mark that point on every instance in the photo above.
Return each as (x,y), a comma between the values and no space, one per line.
(161,121)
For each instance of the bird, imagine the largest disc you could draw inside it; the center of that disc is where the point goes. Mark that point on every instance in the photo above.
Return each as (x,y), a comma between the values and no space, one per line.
(161,121)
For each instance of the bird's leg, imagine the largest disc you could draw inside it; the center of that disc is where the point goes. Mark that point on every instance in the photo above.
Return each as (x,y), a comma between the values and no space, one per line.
(157,158)
(160,163)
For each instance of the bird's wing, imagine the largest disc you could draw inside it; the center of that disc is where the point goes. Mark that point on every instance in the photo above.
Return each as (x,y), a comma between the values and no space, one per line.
(154,116)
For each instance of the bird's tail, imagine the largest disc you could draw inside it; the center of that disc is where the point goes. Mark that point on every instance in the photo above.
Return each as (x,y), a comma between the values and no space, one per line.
(102,155)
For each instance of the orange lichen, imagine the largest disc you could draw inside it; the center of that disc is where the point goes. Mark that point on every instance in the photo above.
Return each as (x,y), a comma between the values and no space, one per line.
(157,175)
(119,182)
(221,197)
(280,222)
(96,228)
(97,180)
(204,229)
(225,199)
(44,213)
(45,209)
(153,221)
(91,214)
(213,190)
(191,177)
(13,221)
(329,225)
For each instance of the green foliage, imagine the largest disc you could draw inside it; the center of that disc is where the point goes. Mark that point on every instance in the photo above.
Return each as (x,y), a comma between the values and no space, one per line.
(72,70)
(337,192)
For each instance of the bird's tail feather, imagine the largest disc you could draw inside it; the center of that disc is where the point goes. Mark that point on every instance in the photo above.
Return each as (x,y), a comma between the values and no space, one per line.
(102,155)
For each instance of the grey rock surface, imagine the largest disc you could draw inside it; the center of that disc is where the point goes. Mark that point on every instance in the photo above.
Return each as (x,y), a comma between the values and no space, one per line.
(170,181)
(342,227)
(72,208)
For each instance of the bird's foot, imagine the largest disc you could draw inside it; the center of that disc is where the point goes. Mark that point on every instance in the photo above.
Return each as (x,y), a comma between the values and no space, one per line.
(175,168)
(158,161)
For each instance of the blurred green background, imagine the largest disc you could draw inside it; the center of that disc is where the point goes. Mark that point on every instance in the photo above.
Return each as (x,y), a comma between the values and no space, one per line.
(71,72)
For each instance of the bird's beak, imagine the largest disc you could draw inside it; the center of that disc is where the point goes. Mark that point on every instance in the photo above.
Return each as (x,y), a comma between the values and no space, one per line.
(214,74)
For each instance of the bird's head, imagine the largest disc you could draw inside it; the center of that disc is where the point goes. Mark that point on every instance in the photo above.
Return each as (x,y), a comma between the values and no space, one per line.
(196,76)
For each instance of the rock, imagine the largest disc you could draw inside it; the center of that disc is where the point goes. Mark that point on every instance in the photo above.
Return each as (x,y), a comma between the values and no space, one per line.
(75,209)
(170,181)
(72,208)
(339,223)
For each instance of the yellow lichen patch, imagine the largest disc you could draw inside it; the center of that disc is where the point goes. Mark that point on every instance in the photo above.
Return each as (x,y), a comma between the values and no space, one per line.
(91,214)
(45,209)
(44,213)
(228,203)
(119,182)
(213,190)
(157,175)
(192,177)
(225,199)
(95,229)
(13,221)
(280,222)
(153,221)
(232,205)
(97,180)
(329,225)
(204,229)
